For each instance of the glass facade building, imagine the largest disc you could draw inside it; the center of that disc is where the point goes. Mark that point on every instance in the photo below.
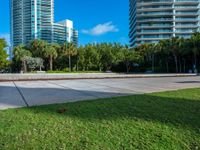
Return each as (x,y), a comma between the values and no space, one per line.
(34,19)
(63,31)
(154,20)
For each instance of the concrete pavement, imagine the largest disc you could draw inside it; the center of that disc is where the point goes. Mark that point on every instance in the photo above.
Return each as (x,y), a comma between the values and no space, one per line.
(30,93)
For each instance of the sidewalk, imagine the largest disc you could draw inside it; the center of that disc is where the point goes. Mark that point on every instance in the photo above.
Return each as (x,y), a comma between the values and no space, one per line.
(31,93)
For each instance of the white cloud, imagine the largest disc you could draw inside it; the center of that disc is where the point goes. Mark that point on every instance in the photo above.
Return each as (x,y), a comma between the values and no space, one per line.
(101,29)
(6,36)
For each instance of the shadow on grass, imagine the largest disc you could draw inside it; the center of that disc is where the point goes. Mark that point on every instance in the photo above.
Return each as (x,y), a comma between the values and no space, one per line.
(174,111)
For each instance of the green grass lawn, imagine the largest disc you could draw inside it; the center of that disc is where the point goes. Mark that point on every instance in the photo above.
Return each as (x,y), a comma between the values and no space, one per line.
(159,121)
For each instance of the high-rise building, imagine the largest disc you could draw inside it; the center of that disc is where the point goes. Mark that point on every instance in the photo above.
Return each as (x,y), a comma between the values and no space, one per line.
(64,31)
(154,20)
(34,19)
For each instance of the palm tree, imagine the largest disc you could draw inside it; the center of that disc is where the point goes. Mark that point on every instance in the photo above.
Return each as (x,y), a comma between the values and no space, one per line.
(195,43)
(175,49)
(164,47)
(69,50)
(181,46)
(148,51)
(37,47)
(186,52)
(50,53)
(20,54)
(152,49)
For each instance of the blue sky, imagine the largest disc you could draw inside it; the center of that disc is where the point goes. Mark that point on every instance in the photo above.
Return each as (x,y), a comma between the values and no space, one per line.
(96,20)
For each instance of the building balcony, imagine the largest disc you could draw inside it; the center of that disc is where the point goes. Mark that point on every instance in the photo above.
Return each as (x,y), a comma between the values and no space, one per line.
(155,14)
(154,26)
(154,32)
(155,2)
(185,2)
(186,20)
(152,39)
(184,32)
(139,9)
(188,8)
(187,26)
(187,14)
(155,20)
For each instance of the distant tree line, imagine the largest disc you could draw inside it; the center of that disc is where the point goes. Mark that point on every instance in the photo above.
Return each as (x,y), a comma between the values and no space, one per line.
(172,55)
(68,57)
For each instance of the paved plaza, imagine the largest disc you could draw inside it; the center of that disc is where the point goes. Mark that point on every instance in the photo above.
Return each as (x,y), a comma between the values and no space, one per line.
(16,94)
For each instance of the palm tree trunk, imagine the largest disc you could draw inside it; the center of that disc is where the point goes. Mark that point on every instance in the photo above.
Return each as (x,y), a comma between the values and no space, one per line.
(167,65)
(153,62)
(127,67)
(180,64)
(195,60)
(176,63)
(70,63)
(51,63)
(24,66)
(184,65)
(77,63)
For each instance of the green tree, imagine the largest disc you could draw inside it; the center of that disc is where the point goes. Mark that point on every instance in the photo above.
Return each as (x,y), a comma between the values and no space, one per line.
(37,48)
(69,50)
(181,46)
(150,51)
(91,57)
(175,50)
(21,54)
(127,57)
(81,58)
(50,52)
(34,63)
(164,47)
(130,57)
(154,49)
(3,55)
(195,44)
(106,55)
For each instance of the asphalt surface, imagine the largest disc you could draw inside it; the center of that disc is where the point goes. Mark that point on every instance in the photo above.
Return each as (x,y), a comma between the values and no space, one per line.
(31,93)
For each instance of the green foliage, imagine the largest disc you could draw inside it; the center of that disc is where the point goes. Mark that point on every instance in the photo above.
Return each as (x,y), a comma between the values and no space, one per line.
(91,57)
(69,50)
(37,47)
(3,55)
(158,121)
(34,63)
(50,53)
(20,55)
(104,56)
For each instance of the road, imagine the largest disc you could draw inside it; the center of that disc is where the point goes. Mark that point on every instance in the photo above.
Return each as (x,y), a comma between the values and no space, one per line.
(30,93)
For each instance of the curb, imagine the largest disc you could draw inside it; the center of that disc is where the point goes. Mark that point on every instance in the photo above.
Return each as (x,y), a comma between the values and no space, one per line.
(9,79)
